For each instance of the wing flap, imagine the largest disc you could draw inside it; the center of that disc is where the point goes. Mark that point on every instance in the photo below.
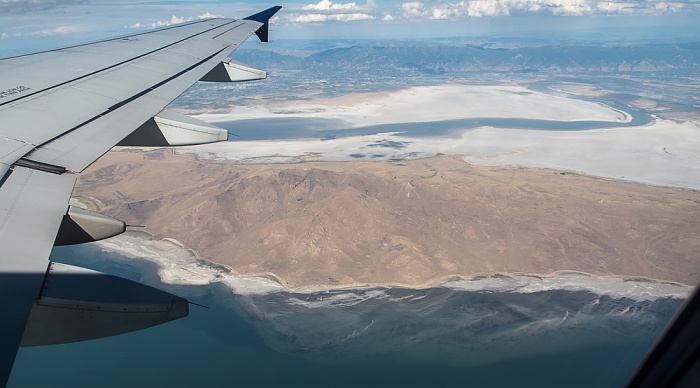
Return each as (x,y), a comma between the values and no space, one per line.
(78,304)
(11,150)
(32,204)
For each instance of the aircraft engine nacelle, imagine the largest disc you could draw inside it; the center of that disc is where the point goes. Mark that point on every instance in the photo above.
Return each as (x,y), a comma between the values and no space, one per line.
(82,226)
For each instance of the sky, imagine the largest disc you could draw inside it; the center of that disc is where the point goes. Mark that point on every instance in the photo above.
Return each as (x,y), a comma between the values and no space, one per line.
(31,25)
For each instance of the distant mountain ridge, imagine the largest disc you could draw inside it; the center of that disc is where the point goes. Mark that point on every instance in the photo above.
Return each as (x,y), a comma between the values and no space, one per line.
(446,59)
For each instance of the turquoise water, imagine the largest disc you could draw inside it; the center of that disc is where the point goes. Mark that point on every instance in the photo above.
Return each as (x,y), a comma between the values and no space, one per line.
(370,337)
(285,128)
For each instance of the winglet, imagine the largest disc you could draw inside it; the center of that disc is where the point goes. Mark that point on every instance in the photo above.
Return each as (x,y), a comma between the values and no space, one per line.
(264,18)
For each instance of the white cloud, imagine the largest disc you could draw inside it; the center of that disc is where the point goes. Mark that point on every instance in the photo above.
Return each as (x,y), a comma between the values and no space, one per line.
(61,30)
(24,6)
(416,10)
(569,7)
(612,7)
(307,18)
(481,8)
(4,35)
(326,10)
(476,8)
(208,15)
(487,8)
(319,17)
(174,20)
(413,9)
(672,7)
(327,5)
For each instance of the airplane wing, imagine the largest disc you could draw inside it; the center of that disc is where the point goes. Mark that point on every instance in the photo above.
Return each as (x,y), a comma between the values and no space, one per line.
(60,110)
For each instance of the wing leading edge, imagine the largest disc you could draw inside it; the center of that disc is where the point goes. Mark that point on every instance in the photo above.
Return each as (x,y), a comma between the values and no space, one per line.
(60,110)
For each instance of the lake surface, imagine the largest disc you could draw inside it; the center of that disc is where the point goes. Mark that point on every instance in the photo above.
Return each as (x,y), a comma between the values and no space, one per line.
(370,337)
(287,128)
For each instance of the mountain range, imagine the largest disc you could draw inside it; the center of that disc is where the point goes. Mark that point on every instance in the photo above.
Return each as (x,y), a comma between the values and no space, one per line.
(441,58)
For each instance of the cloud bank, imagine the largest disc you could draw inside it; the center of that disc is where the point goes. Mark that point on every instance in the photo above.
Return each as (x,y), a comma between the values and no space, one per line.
(327,10)
(24,6)
(60,30)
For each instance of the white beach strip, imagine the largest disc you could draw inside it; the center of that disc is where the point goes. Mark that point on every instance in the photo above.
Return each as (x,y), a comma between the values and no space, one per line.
(178,265)
(435,103)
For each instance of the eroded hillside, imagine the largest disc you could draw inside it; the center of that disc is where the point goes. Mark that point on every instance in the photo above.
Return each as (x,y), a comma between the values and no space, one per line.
(400,222)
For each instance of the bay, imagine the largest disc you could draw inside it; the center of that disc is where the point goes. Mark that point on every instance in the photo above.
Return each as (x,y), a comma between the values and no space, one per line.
(372,337)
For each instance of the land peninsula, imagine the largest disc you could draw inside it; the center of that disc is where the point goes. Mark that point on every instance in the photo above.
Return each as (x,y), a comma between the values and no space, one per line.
(400,222)
(365,188)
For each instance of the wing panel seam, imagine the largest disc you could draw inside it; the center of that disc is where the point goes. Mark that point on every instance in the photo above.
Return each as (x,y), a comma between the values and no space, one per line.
(227,31)
(113,66)
(131,99)
(112,39)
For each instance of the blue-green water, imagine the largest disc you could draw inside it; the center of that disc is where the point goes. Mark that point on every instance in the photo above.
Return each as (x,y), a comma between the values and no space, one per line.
(285,128)
(369,337)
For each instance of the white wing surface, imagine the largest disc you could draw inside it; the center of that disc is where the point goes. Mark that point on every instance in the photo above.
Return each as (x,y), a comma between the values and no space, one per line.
(60,110)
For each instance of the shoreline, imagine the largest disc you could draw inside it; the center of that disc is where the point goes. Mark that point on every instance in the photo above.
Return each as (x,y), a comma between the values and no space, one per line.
(304,159)
(311,157)
(207,272)
(662,153)
(427,103)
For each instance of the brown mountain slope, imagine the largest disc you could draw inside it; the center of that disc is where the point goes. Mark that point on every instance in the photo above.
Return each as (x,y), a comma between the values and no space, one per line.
(400,222)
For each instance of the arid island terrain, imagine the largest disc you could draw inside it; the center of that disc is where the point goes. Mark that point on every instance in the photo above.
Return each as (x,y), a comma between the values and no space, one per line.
(400,222)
